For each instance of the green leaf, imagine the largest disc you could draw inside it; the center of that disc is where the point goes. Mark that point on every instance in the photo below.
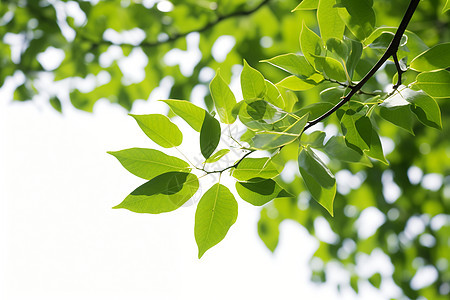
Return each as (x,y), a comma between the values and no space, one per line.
(295,83)
(268,230)
(163,193)
(209,135)
(436,84)
(337,149)
(309,162)
(375,280)
(266,140)
(217,156)
(160,129)
(331,68)
(323,196)
(355,55)
(223,98)
(376,150)
(189,112)
(273,95)
(307,5)
(292,63)
(358,15)
(252,83)
(357,129)
(384,40)
(250,168)
(216,212)
(330,23)
(311,44)
(426,108)
(397,110)
(338,47)
(432,59)
(259,191)
(149,163)
(446,7)
(56,104)
(314,140)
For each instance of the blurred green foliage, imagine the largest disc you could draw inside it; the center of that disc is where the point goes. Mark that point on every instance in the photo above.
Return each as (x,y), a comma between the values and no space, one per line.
(419,165)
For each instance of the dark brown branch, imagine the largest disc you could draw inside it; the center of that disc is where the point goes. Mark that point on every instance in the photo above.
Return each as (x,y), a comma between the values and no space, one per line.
(390,51)
(177,36)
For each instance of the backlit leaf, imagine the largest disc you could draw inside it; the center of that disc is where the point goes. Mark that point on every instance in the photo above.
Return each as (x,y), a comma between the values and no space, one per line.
(358,15)
(293,63)
(252,83)
(163,193)
(309,162)
(307,5)
(188,111)
(250,168)
(217,156)
(426,108)
(160,129)
(216,212)
(436,58)
(223,98)
(311,44)
(268,230)
(323,196)
(397,110)
(436,84)
(259,191)
(330,23)
(149,163)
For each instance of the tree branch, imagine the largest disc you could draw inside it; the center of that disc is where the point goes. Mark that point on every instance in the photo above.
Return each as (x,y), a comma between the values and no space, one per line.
(390,51)
(177,36)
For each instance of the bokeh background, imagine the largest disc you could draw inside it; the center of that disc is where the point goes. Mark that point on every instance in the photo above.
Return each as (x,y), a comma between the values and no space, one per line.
(70,71)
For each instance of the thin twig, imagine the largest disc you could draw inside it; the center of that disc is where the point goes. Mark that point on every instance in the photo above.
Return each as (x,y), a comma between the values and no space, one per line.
(174,37)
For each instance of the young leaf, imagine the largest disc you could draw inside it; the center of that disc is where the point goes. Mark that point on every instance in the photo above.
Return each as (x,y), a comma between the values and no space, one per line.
(310,43)
(358,15)
(252,83)
(160,129)
(323,196)
(292,63)
(267,140)
(295,83)
(330,23)
(223,98)
(425,107)
(268,230)
(436,84)
(307,5)
(436,58)
(209,135)
(273,95)
(189,112)
(217,156)
(259,191)
(310,163)
(149,163)
(216,212)
(163,193)
(397,110)
(250,168)
(331,68)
